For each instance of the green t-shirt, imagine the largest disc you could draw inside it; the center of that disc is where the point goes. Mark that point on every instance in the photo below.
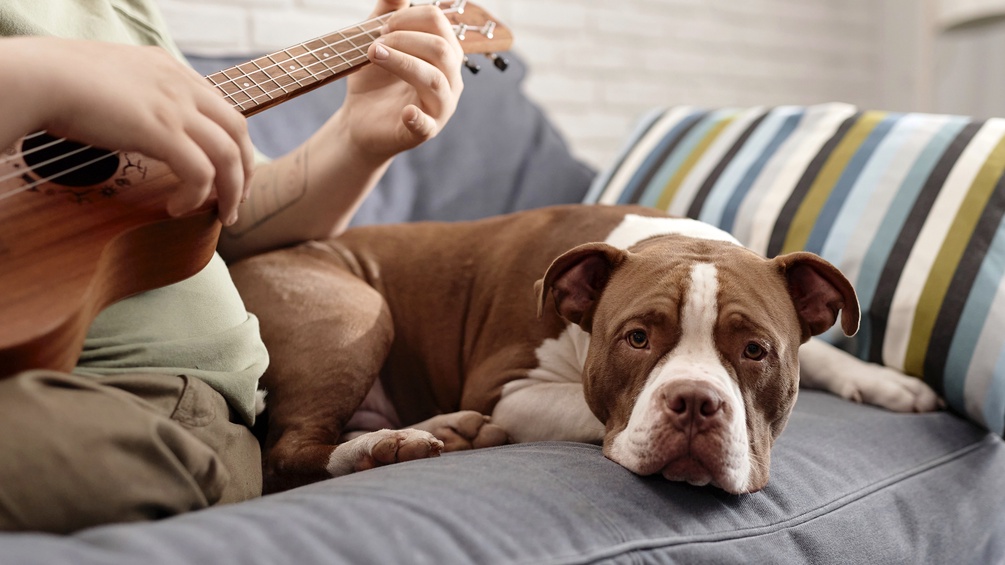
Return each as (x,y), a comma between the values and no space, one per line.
(197,327)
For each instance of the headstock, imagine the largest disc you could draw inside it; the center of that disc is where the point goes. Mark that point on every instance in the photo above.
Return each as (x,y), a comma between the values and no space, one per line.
(479,32)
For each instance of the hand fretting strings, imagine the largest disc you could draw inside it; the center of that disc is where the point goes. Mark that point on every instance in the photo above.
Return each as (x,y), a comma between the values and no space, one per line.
(232,81)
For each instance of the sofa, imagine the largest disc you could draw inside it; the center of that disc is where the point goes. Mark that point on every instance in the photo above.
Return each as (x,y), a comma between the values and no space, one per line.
(850,483)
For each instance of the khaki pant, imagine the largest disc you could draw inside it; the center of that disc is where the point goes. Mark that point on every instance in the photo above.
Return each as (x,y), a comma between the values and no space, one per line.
(77,451)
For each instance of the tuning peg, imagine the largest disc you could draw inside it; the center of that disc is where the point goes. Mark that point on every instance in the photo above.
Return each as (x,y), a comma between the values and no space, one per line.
(471,65)
(500,62)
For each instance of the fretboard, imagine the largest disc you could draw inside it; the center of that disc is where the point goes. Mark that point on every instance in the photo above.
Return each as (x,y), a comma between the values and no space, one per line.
(266,81)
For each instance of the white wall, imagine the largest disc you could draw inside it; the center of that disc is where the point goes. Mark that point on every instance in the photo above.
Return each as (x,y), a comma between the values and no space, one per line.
(597,65)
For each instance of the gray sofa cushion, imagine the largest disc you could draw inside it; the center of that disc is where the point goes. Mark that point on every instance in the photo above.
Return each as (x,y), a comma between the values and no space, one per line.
(850,484)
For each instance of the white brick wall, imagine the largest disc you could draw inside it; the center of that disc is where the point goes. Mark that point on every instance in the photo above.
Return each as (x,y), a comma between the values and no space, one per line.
(597,65)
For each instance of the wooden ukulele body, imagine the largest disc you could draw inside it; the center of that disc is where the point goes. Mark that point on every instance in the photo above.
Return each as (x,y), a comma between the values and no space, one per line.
(67,251)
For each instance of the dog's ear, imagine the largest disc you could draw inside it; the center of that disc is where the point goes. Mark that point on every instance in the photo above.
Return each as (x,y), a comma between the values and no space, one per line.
(819,291)
(576,280)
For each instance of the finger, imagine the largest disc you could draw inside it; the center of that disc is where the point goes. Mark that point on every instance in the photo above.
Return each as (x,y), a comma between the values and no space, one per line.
(431,85)
(418,124)
(236,126)
(195,171)
(429,20)
(385,6)
(225,156)
(433,49)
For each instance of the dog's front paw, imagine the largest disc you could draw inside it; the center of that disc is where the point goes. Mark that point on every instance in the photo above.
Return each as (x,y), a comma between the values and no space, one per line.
(382,447)
(890,389)
(826,367)
(466,429)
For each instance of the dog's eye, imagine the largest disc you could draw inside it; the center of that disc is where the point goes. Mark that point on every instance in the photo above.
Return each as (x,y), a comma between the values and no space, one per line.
(754,352)
(638,339)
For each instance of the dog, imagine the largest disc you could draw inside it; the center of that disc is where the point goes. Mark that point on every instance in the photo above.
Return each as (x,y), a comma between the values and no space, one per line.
(662,339)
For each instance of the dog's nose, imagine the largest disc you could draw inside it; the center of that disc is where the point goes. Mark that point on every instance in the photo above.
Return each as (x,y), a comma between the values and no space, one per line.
(692,404)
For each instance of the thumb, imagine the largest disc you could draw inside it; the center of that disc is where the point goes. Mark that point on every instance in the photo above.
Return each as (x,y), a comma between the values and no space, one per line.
(385,6)
(421,126)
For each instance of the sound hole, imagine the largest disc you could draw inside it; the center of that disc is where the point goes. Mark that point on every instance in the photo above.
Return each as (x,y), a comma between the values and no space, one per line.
(66,162)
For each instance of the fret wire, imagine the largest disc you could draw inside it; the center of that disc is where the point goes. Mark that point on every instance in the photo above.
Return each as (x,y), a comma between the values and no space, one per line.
(233,83)
(268,76)
(307,67)
(324,56)
(275,64)
(337,65)
(253,82)
(339,51)
(327,53)
(318,58)
(220,87)
(353,43)
(291,58)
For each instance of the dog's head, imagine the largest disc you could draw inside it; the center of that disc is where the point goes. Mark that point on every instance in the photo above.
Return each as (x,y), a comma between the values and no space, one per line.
(693,363)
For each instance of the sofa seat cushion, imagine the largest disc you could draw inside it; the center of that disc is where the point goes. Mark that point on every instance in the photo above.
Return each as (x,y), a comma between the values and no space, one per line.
(909,206)
(849,484)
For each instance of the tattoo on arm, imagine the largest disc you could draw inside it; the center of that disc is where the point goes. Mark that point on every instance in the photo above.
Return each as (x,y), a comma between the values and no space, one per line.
(273,189)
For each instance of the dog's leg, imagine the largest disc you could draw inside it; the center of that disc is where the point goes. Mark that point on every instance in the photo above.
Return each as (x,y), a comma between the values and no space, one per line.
(825,367)
(327,333)
(548,411)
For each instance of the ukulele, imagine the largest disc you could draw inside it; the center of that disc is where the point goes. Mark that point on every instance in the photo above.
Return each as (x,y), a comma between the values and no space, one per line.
(83,227)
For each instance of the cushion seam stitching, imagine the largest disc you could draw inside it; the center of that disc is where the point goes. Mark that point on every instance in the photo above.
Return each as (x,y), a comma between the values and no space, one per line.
(803,518)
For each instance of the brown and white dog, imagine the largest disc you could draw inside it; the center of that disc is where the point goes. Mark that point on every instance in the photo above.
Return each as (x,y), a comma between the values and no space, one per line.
(661,338)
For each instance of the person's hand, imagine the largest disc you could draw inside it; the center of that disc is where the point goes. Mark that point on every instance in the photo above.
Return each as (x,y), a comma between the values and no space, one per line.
(410,91)
(142,99)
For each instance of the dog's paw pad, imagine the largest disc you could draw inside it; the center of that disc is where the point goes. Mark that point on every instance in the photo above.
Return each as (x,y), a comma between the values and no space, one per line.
(490,435)
(893,390)
(382,447)
(405,445)
(467,429)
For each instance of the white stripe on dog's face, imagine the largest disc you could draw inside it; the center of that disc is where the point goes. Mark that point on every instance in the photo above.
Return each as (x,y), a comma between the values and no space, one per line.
(649,438)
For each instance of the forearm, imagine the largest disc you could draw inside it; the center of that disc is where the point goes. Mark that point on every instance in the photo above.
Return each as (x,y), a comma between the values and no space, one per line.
(310,193)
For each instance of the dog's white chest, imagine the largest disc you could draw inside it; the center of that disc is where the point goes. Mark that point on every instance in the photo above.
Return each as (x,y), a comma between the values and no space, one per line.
(562,359)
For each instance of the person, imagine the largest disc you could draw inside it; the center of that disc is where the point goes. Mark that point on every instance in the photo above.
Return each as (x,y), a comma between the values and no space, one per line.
(155,419)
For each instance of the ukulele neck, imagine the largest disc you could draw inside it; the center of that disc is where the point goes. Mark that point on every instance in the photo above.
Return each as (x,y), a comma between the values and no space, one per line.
(268,80)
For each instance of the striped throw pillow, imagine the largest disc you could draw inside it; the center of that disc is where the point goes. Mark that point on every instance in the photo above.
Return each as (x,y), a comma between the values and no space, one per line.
(909,206)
